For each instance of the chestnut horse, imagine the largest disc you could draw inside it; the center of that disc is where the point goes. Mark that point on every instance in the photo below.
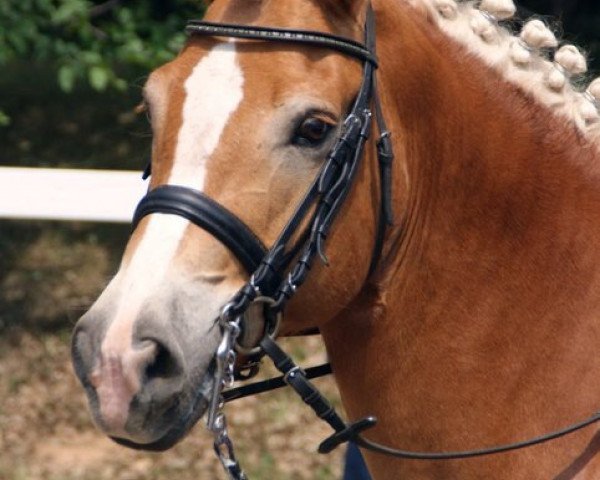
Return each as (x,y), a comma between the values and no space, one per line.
(481,323)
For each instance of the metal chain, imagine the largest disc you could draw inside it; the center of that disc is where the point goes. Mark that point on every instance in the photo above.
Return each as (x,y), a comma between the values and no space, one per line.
(224,377)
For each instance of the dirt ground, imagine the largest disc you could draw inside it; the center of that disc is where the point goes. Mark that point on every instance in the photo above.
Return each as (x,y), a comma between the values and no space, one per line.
(47,278)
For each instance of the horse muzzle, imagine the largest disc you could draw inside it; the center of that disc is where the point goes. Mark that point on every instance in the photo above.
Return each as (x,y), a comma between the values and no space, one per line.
(144,389)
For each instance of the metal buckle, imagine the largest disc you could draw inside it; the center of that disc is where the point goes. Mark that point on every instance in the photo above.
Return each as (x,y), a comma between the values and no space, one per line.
(256,312)
(292,373)
(248,370)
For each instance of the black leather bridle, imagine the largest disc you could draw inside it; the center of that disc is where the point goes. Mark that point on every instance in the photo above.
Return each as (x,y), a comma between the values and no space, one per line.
(277,272)
(328,191)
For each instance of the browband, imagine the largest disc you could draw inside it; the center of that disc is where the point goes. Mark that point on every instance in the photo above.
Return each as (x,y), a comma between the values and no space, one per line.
(307,37)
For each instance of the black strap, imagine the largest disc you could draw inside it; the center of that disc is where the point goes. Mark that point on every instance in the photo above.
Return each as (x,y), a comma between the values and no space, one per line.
(270,384)
(299,380)
(305,37)
(208,215)
(296,378)
(343,432)
(385,156)
(409,455)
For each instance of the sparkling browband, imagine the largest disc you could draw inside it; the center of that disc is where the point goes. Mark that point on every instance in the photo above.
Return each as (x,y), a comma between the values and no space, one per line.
(347,46)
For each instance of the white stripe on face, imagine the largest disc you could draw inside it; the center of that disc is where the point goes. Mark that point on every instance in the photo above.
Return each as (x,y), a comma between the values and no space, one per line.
(214,91)
(142,276)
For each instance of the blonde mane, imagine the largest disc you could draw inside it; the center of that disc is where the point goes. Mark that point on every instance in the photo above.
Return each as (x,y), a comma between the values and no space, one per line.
(533,59)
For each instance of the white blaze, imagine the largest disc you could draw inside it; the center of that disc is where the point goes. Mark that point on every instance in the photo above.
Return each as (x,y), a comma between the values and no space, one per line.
(213,91)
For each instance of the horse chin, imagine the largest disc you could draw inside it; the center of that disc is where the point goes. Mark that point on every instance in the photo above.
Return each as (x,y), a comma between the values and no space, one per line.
(178,429)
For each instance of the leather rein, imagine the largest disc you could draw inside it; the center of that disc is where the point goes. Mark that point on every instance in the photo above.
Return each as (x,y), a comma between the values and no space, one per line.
(277,272)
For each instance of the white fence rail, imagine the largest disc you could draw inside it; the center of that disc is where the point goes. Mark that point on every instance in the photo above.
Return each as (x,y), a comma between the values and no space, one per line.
(65,194)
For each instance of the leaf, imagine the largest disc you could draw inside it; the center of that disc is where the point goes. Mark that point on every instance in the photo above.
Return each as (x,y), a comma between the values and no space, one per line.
(99,77)
(91,57)
(4,119)
(120,84)
(68,11)
(66,78)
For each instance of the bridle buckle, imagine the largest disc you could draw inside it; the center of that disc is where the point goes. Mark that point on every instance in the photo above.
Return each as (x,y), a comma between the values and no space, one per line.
(259,312)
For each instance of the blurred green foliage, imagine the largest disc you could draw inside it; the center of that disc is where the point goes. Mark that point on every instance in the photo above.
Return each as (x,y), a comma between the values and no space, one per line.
(93,41)
(80,129)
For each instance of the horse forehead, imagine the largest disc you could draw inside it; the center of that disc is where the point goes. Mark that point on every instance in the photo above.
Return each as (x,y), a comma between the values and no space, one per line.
(195,96)
(222,96)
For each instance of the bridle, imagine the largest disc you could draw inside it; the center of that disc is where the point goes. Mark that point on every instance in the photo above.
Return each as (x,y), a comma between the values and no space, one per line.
(277,272)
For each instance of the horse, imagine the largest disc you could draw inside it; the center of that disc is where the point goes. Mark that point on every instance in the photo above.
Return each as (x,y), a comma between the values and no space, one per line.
(478,325)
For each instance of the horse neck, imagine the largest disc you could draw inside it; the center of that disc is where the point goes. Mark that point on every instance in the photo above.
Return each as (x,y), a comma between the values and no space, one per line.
(492,183)
(493,251)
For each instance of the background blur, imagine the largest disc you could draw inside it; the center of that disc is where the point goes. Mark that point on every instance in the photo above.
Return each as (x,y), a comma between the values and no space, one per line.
(71,72)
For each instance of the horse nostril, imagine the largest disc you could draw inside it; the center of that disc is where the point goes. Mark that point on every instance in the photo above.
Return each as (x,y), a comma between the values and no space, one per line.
(164,371)
(163,365)
(85,345)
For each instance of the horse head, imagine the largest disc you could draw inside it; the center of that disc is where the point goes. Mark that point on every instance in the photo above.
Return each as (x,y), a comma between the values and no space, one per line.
(248,124)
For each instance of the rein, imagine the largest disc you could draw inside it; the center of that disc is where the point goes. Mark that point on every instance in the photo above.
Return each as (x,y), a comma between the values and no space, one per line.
(276,273)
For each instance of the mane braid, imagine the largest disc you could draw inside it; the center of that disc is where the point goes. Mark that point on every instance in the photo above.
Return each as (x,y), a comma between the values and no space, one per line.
(534,60)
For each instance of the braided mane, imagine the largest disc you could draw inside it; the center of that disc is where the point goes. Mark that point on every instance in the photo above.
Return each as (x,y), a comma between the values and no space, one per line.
(533,59)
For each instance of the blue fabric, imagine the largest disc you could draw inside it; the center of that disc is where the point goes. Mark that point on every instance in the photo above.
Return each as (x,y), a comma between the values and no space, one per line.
(355,468)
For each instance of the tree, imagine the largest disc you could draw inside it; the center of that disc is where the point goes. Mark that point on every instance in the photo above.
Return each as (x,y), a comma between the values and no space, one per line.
(93,40)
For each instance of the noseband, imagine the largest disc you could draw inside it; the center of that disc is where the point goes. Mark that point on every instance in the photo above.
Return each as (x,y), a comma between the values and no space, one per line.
(277,272)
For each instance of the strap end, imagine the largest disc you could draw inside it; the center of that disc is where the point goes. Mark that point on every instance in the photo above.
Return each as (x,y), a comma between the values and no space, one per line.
(349,433)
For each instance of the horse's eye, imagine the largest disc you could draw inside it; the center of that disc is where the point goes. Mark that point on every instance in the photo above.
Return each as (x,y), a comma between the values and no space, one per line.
(311,132)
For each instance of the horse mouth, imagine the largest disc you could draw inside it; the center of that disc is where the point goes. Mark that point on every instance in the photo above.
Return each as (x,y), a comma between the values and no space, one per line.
(184,423)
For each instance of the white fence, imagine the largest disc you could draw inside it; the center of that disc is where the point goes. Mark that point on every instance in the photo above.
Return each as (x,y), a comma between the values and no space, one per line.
(65,194)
